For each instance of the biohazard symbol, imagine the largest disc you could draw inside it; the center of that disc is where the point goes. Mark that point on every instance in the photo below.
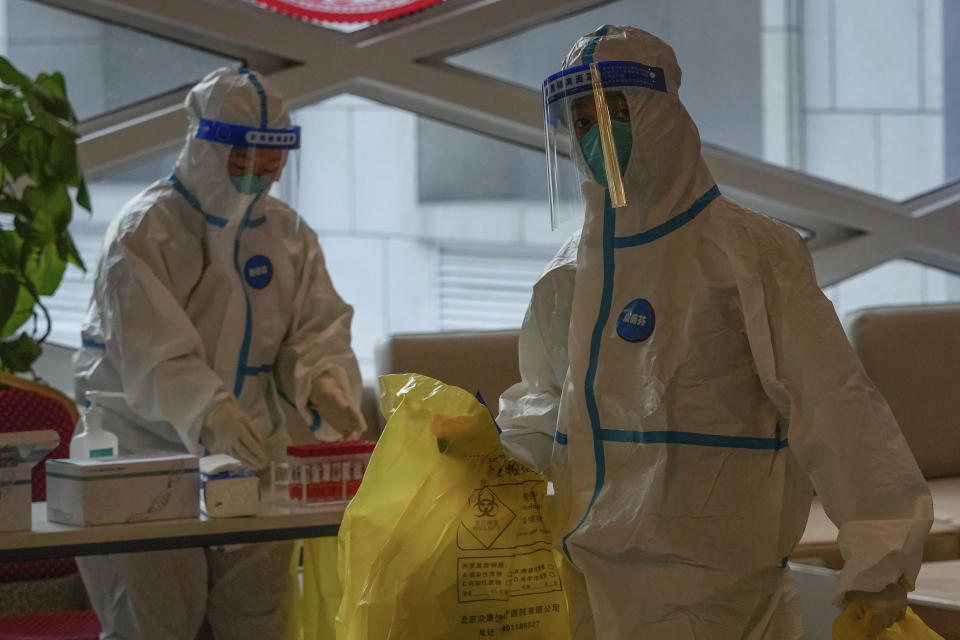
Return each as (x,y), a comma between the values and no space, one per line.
(487,518)
(486,506)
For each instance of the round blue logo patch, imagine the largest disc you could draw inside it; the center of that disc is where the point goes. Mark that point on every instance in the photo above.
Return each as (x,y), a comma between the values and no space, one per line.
(258,271)
(636,321)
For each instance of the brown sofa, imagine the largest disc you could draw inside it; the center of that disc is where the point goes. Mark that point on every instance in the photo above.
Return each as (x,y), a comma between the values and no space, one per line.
(478,361)
(911,353)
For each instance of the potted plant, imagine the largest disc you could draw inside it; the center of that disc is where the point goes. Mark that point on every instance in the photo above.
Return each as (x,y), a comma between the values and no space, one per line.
(38,172)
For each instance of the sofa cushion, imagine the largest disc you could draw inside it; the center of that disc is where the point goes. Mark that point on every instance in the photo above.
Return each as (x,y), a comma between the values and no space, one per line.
(912,354)
(818,545)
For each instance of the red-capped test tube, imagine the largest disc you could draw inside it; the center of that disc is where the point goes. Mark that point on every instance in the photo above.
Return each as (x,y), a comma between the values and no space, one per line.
(327,471)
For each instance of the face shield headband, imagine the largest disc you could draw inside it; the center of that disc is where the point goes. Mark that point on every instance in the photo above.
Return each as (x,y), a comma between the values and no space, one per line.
(257,155)
(237,135)
(585,107)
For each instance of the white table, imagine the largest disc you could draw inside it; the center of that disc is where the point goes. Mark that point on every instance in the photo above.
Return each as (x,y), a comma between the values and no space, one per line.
(277,520)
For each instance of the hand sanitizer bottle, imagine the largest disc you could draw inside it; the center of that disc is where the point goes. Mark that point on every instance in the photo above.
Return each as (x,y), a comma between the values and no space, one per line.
(92,441)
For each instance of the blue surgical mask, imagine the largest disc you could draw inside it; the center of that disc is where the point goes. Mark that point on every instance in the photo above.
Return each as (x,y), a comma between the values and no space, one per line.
(250,183)
(593,151)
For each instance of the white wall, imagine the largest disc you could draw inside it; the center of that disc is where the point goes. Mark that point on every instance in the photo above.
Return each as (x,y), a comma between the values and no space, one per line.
(873,118)
(873,108)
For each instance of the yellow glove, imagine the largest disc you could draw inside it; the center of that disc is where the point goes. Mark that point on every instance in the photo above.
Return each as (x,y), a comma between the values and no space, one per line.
(852,625)
(334,407)
(884,608)
(227,429)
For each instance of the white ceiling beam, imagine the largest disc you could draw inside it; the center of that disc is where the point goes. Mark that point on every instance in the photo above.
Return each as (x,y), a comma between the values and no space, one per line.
(400,64)
(477,103)
(107,151)
(938,199)
(840,261)
(832,201)
(166,20)
(470,25)
(943,257)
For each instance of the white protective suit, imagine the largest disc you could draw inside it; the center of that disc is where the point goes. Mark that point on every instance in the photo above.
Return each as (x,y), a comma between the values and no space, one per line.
(203,292)
(684,462)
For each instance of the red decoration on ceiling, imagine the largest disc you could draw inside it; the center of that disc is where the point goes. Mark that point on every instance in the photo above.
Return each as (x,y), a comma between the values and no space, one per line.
(347,11)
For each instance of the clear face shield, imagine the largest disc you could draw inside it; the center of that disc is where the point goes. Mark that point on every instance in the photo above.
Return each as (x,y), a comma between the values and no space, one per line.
(257,156)
(587,119)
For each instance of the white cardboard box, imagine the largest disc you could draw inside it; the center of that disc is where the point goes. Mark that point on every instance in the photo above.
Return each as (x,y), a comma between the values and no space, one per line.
(228,490)
(122,489)
(231,497)
(19,453)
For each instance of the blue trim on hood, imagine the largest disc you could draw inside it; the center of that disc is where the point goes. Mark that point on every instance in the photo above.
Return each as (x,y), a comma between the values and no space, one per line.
(670,225)
(260,92)
(216,221)
(588,51)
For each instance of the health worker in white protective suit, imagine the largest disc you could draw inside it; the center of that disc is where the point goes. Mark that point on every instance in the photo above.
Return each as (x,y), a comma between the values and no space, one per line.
(686,385)
(211,307)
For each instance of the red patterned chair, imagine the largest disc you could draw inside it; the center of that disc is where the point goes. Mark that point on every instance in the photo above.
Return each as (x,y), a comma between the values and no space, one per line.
(41,598)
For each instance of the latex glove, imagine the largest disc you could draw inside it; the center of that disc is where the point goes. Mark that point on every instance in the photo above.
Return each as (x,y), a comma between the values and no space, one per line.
(227,429)
(886,607)
(334,406)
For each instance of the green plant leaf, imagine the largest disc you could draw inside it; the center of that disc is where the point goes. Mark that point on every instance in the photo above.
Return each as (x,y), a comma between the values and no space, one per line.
(19,354)
(68,251)
(51,90)
(22,311)
(11,105)
(9,288)
(9,75)
(60,207)
(63,159)
(83,196)
(38,228)
(45,270)
(45,120)
(53,83)
(12,205)
(12,159)
(38,158)
(34,148)
(10,243)
(49,214)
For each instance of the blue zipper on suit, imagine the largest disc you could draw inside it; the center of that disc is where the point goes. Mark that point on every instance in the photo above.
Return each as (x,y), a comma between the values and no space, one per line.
(610,243)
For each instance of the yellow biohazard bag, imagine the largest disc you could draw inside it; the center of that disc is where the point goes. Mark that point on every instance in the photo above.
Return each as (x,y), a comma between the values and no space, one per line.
(446,537)
(313,606)
(852,624)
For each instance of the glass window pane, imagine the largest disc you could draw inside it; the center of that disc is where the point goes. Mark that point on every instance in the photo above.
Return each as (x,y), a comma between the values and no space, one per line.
(107,67)
(718,46)
(861,93)
(399,201)
(894,282)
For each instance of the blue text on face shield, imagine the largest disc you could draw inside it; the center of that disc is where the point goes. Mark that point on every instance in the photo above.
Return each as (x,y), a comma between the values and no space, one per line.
(250,183)
(593,150)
